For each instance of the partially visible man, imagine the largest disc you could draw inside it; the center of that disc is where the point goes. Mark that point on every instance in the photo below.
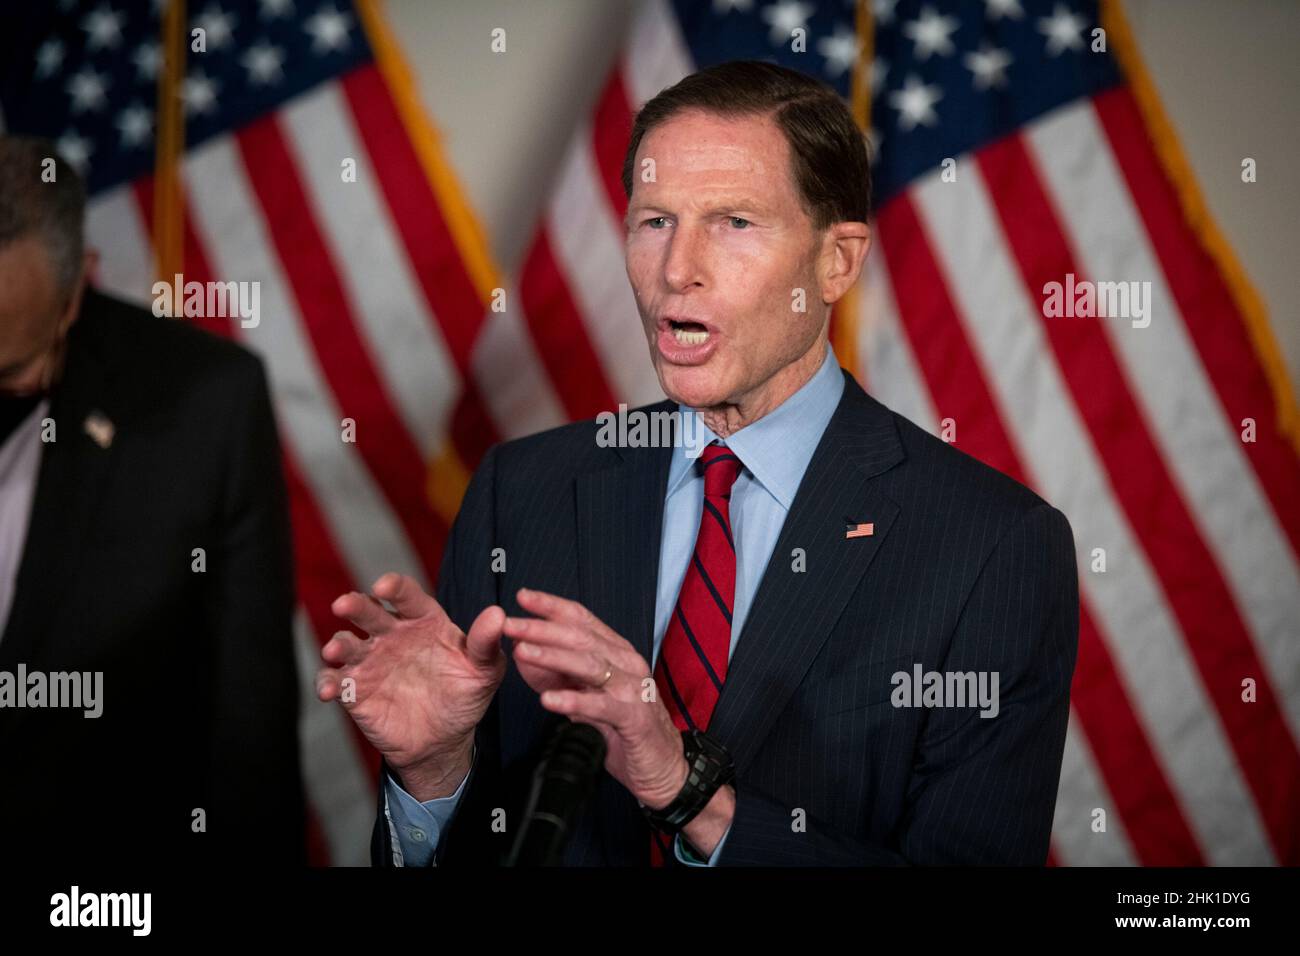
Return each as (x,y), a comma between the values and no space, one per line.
(148,696)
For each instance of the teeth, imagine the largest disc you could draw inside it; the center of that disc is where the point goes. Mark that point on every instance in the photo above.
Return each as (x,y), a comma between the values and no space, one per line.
(684,337)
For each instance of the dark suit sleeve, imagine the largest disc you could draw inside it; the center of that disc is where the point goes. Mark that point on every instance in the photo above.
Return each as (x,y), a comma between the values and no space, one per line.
(983,790)
(256,793)
(466,585)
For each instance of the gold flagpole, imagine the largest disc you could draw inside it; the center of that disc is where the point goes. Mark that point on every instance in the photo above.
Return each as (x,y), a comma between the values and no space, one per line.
(846,318)
(447,475)
(168,208)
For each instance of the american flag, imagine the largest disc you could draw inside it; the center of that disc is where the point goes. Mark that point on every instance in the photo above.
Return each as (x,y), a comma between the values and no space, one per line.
(1013,149)
(308,168)
(1015,146)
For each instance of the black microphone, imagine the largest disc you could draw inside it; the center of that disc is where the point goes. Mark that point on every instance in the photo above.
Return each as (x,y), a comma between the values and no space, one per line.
(562,783)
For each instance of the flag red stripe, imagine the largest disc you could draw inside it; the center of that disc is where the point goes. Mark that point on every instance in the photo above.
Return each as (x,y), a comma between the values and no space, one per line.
(321,578)
(611,132)
(318,850)
(1153,815)
(320,574)
(1209,313)
(454,303)
(1139,477)
(435,260)
(472,430)
(1133,773)
(562,340)
(943,351)
(390,454)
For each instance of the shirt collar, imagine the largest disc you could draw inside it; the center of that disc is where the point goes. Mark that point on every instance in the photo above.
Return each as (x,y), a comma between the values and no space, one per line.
(775,449)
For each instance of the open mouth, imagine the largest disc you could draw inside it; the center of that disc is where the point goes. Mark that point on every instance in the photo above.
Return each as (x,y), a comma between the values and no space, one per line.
(688,333)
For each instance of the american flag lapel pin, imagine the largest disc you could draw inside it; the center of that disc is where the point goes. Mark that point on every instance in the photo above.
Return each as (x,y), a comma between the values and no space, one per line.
(858,529)
(100,428)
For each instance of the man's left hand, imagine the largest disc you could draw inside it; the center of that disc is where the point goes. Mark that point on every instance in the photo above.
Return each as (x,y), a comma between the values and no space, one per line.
(605,683)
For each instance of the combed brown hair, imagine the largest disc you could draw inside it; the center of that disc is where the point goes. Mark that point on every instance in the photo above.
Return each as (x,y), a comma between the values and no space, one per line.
(828,152)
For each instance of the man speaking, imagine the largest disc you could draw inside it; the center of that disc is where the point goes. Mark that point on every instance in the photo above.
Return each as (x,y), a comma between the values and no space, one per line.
(817,636)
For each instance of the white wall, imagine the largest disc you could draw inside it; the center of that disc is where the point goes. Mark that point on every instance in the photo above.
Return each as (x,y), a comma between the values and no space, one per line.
(1227,72)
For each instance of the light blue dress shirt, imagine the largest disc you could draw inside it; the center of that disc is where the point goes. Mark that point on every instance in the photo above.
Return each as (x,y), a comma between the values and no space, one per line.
(775,451)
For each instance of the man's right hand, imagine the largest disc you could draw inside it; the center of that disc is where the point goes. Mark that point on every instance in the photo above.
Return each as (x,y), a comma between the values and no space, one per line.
(420,684)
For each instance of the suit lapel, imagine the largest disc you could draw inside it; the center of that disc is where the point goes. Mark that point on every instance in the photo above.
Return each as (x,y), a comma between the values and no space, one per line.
(73,472)
(793,612)
(620,520)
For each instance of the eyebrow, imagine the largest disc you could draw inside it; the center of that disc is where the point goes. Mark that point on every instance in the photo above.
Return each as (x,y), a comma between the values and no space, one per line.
(748,203)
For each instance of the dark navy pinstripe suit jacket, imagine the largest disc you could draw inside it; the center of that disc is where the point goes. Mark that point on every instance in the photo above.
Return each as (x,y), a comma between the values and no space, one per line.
(967,570)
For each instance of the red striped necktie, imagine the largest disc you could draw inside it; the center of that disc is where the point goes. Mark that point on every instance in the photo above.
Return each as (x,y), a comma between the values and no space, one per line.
(692,664)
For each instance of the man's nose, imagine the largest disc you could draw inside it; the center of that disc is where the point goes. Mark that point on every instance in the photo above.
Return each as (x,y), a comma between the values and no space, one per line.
(686,263)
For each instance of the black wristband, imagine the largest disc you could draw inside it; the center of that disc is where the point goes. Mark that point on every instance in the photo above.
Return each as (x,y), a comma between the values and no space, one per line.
(710,770)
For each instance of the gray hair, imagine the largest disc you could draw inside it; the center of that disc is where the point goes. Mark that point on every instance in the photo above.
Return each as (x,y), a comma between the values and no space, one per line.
(42,193)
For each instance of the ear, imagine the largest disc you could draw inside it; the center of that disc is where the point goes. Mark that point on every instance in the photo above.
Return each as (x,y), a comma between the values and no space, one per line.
(844,249)
(89,263)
